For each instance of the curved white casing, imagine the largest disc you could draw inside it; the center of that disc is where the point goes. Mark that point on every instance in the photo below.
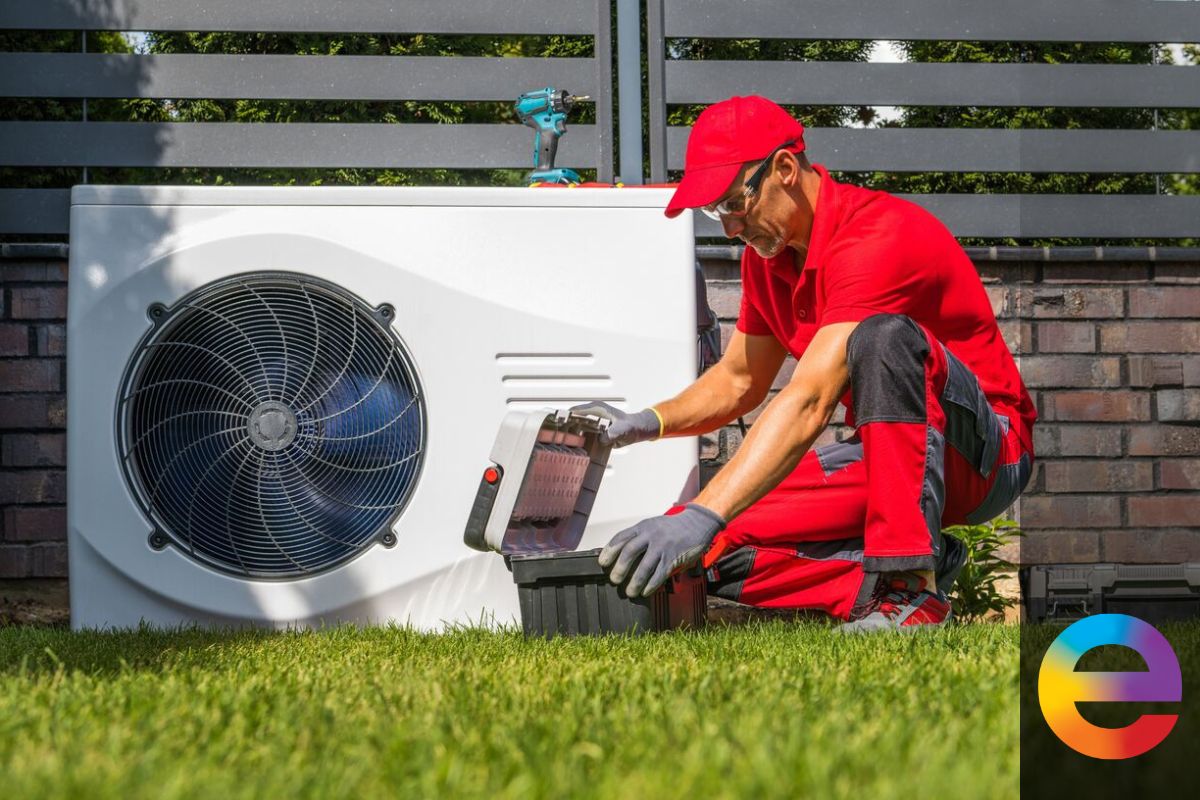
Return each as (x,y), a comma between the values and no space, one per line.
(505,299)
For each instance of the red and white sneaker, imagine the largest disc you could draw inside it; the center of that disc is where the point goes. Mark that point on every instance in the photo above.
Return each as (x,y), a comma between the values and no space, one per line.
(900,602)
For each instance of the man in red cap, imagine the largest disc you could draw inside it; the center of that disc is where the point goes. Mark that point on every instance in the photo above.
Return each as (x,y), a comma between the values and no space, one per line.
(883,311)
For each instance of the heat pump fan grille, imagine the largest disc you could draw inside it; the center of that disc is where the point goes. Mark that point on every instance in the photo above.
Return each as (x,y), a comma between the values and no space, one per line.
(271,425)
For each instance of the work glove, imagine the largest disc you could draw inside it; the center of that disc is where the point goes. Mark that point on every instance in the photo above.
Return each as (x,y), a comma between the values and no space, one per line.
(663,544)
(625,428)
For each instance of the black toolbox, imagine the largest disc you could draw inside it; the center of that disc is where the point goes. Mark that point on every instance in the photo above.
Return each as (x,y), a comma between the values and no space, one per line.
(1153,592)
(569,594)
(532,506)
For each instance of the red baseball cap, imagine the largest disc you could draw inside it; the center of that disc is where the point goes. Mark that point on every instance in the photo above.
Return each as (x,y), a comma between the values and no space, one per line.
(726,135)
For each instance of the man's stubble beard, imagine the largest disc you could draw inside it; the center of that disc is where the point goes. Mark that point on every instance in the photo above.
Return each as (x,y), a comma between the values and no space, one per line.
(774,246)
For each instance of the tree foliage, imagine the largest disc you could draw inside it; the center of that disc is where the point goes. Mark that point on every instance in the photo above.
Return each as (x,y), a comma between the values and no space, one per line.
(773,50)
(353,111)
(1028,118)
(249,111)
(1039,118)
(49,109)
(1188,120)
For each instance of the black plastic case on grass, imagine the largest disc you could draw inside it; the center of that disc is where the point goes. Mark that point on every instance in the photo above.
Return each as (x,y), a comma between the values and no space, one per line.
(569,594)
(1153,592)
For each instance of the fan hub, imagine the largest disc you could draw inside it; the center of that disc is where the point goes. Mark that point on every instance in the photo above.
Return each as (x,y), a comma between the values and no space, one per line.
(271,425)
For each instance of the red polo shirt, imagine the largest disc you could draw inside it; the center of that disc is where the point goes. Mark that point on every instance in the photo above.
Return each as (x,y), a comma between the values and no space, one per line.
(873,253)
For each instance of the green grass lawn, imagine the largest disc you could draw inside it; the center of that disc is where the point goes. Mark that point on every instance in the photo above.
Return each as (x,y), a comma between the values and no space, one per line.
(769,709)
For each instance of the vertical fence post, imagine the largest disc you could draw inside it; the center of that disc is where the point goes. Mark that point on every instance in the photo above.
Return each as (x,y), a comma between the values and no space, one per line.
(629,88)
(83,42)
(604,92)
(656,66)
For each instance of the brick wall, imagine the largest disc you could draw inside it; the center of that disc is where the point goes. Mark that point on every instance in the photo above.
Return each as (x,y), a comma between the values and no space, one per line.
(1110,351)
(33,478)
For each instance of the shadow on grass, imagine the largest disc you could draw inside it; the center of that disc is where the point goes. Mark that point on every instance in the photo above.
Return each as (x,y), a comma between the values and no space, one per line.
(35,645)
(27,650)
(32,651)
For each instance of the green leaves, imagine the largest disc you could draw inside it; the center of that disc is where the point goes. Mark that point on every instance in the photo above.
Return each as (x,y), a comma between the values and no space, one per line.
(977,593)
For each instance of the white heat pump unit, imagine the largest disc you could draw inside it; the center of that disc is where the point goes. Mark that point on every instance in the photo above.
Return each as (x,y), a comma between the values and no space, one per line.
(281,399)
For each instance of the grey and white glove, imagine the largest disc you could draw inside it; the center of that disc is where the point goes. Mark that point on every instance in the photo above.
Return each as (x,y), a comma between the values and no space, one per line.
(625,428)
(659,546)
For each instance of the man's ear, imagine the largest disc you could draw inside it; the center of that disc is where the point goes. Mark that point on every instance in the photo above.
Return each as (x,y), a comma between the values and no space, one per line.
(788,167)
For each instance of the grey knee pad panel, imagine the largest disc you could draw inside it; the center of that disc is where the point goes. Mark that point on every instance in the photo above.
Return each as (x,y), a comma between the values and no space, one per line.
(972,426)
(886,354)
(1011,480)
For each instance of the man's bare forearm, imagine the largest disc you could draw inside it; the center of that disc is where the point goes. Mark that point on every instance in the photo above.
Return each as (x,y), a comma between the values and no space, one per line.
(714,400)
(787,427)
(780,437)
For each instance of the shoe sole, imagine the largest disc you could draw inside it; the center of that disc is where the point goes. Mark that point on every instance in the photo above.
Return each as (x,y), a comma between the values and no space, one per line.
(850,629)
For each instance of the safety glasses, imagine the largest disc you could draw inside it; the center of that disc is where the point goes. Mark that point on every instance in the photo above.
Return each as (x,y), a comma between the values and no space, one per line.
(738,205)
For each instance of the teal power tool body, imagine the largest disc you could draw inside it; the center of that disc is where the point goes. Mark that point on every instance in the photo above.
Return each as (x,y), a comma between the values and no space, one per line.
(545,110)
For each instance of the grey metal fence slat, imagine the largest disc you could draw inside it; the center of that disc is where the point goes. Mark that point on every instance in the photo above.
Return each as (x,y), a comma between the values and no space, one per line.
(1050,215)
(989,150)
(603,130)
(1034,216)
(309,77)
(288,76)
(963,20)
(306,16)
(629,88)
(34,211)
(293,144)
(838,83)
(848,83)
(656,55)
(90,144)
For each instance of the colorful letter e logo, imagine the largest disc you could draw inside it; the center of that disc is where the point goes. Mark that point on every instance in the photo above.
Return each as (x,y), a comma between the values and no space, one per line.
(1060,687)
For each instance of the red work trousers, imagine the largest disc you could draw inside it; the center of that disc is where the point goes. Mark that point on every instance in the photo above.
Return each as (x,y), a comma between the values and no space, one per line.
(929,450)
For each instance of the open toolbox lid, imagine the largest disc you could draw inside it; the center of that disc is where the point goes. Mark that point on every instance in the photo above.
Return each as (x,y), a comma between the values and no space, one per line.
(537,493)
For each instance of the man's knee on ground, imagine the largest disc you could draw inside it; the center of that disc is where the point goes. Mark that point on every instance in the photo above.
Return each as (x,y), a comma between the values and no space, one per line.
(886,354)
